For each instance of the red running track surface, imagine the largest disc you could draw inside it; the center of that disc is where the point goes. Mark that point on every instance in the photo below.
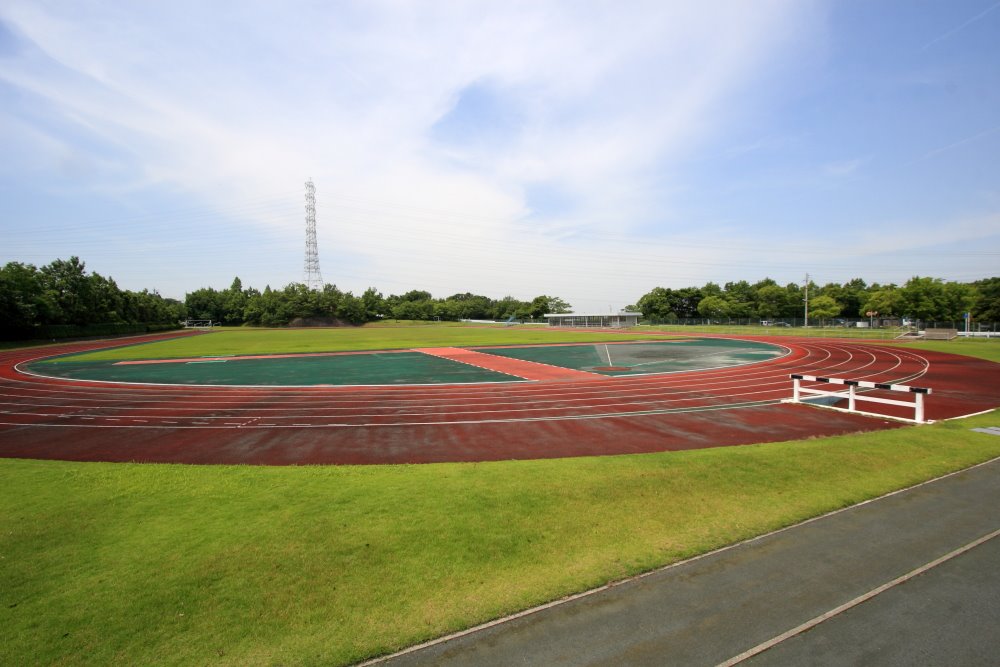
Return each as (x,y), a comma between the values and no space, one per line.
(68,420)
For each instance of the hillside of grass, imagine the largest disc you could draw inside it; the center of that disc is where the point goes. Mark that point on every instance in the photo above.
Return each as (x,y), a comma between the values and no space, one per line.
(119,564)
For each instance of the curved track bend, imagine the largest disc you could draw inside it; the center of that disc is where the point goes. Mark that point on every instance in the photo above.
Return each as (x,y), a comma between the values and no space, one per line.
(84,421)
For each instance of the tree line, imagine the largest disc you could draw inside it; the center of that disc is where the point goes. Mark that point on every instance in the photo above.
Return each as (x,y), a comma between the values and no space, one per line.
(238,306)
(920,298)
(62,299)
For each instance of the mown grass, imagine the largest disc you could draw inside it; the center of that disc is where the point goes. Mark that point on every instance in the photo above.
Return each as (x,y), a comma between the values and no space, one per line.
(278,341)
(167,564)
(982,348)
(757,330)
(888,334)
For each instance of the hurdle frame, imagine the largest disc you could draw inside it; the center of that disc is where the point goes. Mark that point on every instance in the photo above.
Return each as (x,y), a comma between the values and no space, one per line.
(852,395)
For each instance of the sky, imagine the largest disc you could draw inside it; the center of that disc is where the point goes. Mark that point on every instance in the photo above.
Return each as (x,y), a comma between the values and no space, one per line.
(586,150)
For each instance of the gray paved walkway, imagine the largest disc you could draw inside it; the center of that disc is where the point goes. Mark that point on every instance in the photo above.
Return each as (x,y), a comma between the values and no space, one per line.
(709,610)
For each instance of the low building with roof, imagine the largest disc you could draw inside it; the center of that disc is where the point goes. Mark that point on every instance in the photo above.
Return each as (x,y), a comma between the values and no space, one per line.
(620,320)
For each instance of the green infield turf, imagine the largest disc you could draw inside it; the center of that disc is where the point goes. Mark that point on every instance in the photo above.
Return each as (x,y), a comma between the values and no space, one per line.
(641,358)
(123,564)
(399,367)
(388,368)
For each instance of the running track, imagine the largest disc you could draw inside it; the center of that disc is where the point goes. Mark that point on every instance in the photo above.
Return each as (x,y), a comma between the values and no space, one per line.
(68,420)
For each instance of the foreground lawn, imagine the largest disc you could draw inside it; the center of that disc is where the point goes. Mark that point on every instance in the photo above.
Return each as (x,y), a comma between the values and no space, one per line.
(167,564)
(277,341)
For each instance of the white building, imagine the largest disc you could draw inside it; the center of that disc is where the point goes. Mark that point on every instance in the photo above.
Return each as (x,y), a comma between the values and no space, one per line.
(603,321)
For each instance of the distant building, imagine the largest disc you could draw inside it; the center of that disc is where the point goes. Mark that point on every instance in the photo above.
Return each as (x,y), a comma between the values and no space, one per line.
(601,321)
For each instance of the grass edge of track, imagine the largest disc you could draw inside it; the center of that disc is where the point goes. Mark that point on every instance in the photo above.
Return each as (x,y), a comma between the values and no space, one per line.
(171,564)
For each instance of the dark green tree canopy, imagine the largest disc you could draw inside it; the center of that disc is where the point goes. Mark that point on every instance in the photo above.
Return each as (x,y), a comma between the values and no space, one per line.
(63,293)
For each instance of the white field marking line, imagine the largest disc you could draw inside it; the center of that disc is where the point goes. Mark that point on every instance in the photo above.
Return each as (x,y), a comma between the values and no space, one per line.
(644,387)
(464,407)
(586,401)
(701,383)
(608,352)
(446,410)
(585,392)
(258,386)
(671,566)
(555,418)
(913,375)
(921,361)
(453,408)
(542,363)
(502,385)
(469,363)
(808,625)
(582,393)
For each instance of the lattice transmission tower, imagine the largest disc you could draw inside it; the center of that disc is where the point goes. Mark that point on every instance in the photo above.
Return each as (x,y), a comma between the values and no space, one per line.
(313,278)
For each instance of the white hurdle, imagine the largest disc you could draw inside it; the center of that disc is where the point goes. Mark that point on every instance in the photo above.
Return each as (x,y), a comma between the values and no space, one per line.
(853,397)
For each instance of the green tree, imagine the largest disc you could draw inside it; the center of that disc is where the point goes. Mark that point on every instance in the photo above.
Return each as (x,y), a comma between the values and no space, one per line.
(508,306)
(352,309)
(374,304)
(414,310)
(714,307)
(924,298)
(66,286)
(772,301)
(711,289)
(23,303)
(886,301)
(558,306)
(300,301)
(958,299)
(416,295)
(741,298)
(206,304)
(234,303)
(987,306)
(656,303)
(538,307)
(824,308)
(104,300)
(794,301)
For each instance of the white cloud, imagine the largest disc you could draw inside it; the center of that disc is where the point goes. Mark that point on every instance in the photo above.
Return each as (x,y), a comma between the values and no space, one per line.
(226,102)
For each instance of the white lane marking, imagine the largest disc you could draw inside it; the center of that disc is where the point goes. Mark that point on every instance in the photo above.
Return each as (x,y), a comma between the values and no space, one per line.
(808,625)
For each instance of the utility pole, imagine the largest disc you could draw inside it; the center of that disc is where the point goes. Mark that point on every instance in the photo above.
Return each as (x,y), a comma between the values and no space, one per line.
(807,301)
(313,278)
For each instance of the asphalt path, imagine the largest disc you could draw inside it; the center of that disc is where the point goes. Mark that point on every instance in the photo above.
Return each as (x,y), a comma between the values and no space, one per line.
(909,578)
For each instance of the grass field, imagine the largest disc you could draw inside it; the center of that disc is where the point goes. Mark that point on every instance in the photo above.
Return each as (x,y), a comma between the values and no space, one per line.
(982,348)
(167,564)
(170,564)
(278,341)
(757,330)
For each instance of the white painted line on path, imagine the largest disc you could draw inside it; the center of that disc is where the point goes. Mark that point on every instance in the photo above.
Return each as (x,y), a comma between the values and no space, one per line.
(810,624)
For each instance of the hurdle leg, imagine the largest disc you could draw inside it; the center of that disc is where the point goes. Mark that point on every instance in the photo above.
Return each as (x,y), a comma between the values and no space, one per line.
(795,390)
(851,402)
(919,416)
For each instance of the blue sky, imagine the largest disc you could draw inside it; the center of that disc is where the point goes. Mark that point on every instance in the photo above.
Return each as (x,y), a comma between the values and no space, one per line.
(590,150)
